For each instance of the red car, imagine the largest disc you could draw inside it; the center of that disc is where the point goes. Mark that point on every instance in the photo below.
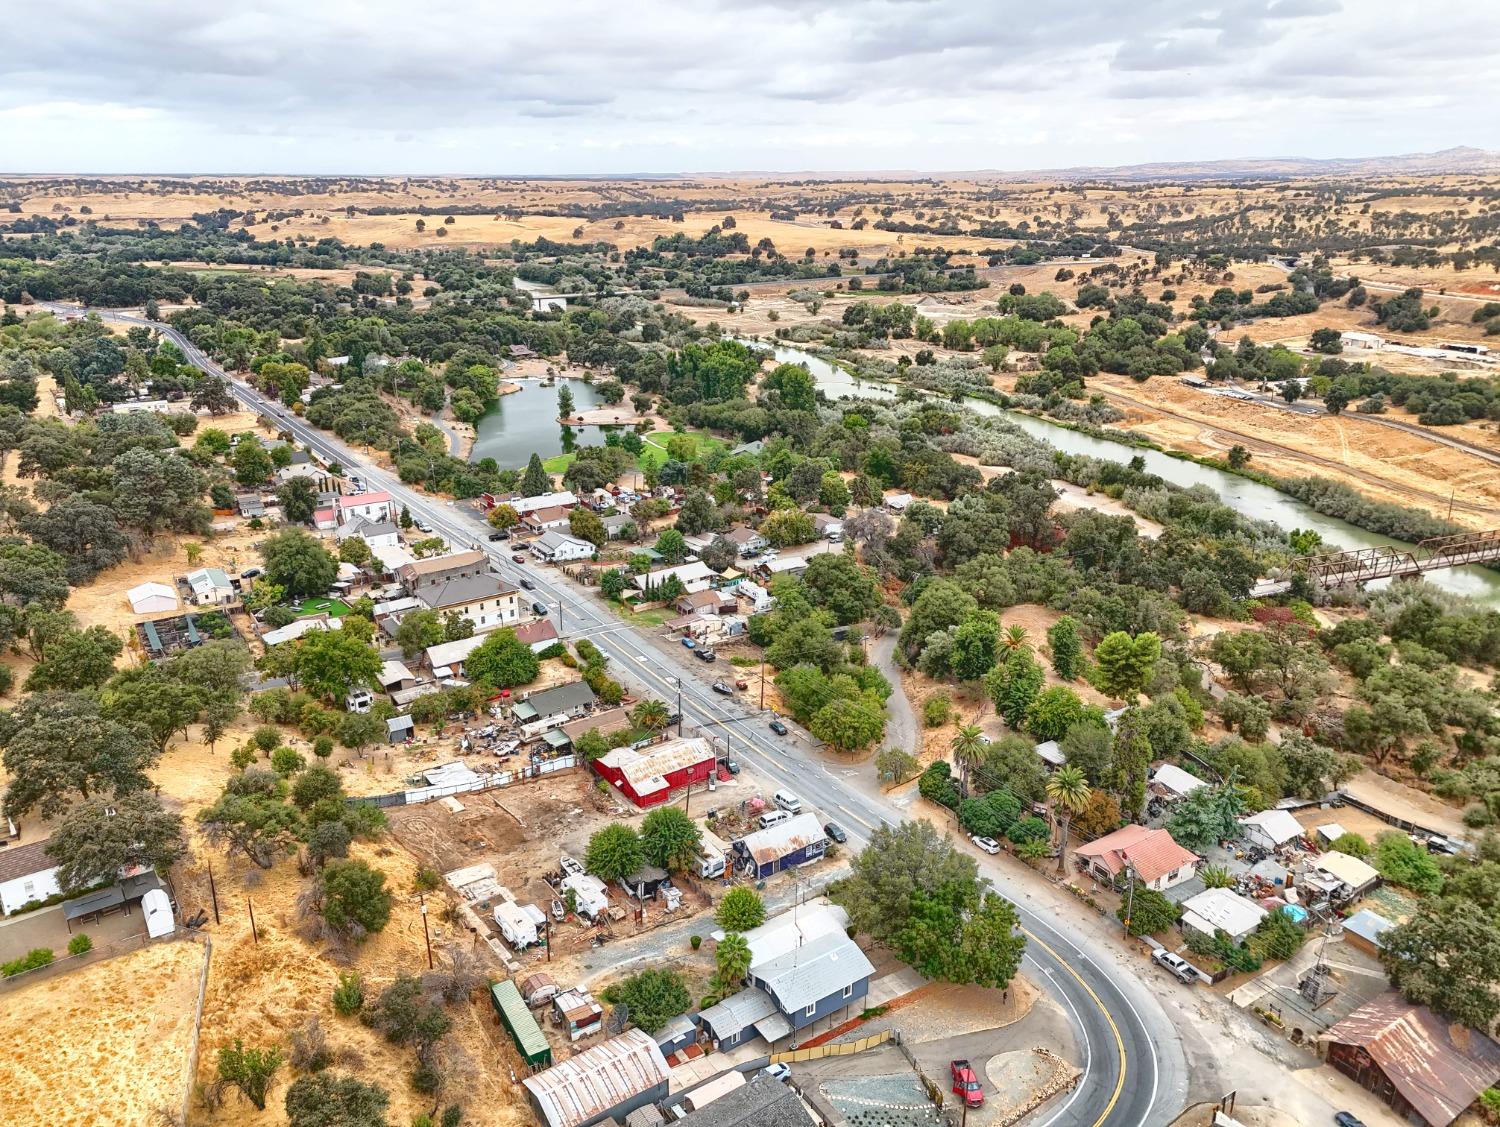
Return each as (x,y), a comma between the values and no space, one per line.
(965,1083)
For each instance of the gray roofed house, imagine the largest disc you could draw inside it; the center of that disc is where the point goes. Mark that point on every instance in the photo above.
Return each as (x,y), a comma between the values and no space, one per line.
(367,530)
(763,1102)
(733,1020)
(463,590)
(806,979)
(571,699)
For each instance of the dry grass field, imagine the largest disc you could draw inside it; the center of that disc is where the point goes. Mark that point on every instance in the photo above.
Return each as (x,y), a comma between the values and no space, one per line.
(106,1044)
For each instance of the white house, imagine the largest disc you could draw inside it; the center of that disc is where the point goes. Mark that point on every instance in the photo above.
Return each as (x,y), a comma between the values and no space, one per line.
(1222,909)
(374,507)
(898,502)
(152,598)
(557,547)
(294,630)
(27,873)
(1270,829)
(210,587)
(1368,341)
(746,539)
(375,533)
(1172,782)
(697,576)
(565,499)
(829,527)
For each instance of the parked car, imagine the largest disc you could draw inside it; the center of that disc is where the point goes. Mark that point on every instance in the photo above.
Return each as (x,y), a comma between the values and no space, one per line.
(988,844)
(777,1071)
(689,643)
(965,1083)
(835,832)
(1176,965)
(528,584)
(778,727)
(741,683)
(1348,1119)
(724,687)
(703,653)
(539,609)
(731,765)
(499,534)
(517,557)
(423,526)
(251,573)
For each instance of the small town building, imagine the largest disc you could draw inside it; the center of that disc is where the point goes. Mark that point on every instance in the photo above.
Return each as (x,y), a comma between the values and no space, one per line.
(372,506)
(395,676)
(1171,782)
(709,602)
(607,1081)
(538,988)
(761,1101)
(1152,856)
(1364,929)
(647,776)
(556,705)
(399,729)
(781,565)
(746,539)
(546,518)
(899,502)
(27,873)
(740,1017)
(814,980)
(539,634)
(1352,876)
(577,1013)
(618,524)
(679,1032)
(302,626)
(1050,752)
(325,518)
(696,576)
(558,547)
(1271,829)
(375,533)
(1221,909)
(799,840)
(421,574)
(645,882)
(209,586)
(1428,1070)
(562,499)
(1361,341)
(484,599)
(152,598)
(250,505)
(526,1034)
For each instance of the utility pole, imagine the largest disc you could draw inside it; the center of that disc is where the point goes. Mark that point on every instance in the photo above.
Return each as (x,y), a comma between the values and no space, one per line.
(762,684)
(1130,896)
(426,936)
(255,935)
(213,893)
(679,706)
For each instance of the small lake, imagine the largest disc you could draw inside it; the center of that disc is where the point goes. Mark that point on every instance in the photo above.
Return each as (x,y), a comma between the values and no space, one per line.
(525,422)
(1251,498)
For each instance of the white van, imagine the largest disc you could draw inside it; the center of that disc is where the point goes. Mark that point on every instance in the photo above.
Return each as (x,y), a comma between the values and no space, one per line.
(773,818)
(787,801)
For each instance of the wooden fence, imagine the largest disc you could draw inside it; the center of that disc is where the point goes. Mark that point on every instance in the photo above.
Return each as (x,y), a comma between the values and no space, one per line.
(837,1049)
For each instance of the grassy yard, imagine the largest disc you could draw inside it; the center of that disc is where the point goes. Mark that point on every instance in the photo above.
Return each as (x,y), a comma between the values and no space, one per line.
(654,454)
(334,608)
(659,617)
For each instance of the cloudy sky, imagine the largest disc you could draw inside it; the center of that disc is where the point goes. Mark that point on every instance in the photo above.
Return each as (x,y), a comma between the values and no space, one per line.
(616,86)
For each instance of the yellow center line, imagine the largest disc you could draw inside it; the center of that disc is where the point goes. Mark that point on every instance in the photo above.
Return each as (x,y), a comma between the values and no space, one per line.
(1113,1028)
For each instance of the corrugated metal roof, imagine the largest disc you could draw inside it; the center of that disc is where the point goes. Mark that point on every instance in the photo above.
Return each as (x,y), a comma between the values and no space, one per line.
(1439,1068)
(528,1034)
(646,770)
(766,846)
(598,1079)
(738,1012)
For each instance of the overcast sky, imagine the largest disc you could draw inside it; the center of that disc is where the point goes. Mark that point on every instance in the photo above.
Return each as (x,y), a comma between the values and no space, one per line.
(579,86)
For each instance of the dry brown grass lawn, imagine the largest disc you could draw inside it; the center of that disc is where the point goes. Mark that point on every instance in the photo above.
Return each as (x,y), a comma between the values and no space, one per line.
(105,1044)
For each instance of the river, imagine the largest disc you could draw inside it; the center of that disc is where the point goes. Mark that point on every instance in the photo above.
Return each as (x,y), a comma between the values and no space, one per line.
(1251,498)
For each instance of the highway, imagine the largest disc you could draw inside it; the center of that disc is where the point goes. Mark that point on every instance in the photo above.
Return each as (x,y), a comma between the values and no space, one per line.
(1134,1067)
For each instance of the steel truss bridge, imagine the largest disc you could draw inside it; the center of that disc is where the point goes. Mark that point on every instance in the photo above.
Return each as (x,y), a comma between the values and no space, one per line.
(1341,569)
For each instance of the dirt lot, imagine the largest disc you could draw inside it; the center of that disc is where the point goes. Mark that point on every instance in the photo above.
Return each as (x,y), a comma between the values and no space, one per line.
(113,1035)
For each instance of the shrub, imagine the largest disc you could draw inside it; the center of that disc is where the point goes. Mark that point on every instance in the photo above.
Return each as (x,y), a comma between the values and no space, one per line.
(349,994)
(427,880)
(287,762)
(36,957)
(80,944)
(740,910)
(938,785)
(937,710)
(696,941)
(265,737)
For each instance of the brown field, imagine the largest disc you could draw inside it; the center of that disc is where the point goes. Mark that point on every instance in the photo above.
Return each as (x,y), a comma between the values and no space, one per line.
(107,1043)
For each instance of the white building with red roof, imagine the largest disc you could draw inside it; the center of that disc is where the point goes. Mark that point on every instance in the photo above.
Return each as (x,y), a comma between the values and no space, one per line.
(374,507)
(1152,856)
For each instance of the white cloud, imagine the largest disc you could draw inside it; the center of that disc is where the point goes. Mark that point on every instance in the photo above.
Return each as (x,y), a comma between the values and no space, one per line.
(596,86)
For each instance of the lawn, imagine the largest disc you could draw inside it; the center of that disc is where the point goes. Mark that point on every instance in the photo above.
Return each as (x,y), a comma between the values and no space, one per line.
(654,454)
(658,617)
(334,608)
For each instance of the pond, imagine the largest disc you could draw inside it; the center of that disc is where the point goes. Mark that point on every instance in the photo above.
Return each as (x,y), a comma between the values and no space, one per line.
(1251,498)
(525,422)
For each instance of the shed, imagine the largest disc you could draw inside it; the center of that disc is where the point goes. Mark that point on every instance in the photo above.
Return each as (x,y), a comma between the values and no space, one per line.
(1353,874)
(1427,1070)
(647,776)
(608,1081)
(578,1013)
(538,988)
(1271,829)
(1221,909)
(797,841)
(676,1035)
(1171,781)
(1050,752)
(524,1031)
(645,882)
(151,598)
(399,729)
(1363,930)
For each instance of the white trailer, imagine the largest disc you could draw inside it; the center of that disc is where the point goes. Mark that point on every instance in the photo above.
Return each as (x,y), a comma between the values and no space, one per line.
(517,926)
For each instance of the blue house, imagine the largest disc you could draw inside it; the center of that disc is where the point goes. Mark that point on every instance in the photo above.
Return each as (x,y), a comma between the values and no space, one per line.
(814,980)
(795,842)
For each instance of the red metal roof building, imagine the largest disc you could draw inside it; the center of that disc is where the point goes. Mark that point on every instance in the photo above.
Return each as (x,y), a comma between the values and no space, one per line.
(647,776)
(1428,1070)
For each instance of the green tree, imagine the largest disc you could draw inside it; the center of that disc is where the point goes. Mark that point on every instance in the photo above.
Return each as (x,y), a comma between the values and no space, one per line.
(418,630)
(912,855)
(669,838)
(1066,647)
(653,997)
(78,659)
(298,498)
(1149,912)
(587,525)
(975,645)
(614,852)
(536,480)
(1447,957)
(1013,685)
(252,465)
(1126,664)
(503,517)
(731,963)
(959,933)
(249,818)
(96,839)
(1069,793)
(651,715)
(298,563)
(1053,711)
(967,748)
(320,1099)
(502,662)
(1207,816)
(59,746)
(1403,862)
(249,1070)
(850,723)
(332,663)
(741,909)
(353,899)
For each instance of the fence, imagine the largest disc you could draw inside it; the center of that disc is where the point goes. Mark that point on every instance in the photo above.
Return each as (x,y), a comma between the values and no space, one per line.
(837,1049)
(487,781)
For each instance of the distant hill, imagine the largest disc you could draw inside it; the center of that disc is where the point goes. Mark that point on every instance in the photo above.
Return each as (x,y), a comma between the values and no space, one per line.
(1458,161)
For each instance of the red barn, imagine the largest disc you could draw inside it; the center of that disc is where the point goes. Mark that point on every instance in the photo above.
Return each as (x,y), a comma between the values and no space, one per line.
(648,775)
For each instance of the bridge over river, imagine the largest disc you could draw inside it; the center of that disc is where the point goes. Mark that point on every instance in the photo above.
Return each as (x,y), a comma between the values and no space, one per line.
(1340,569)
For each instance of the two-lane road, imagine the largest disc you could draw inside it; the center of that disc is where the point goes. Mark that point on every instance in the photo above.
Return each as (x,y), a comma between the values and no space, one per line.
(1134,1068)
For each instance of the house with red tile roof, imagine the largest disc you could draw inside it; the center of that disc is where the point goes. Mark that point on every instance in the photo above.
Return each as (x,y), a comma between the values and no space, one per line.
(1155,859)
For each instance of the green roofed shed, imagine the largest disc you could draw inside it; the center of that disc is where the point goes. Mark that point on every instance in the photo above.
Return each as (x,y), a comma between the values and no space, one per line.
(524,1031)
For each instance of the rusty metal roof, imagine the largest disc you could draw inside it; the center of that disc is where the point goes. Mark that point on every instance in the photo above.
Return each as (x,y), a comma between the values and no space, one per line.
(598,1080)
(1439,1068)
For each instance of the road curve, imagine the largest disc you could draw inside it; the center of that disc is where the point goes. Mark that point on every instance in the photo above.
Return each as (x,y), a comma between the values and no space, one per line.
(1134,1069)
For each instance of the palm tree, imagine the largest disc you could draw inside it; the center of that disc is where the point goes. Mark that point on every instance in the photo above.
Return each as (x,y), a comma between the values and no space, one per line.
(731,961)
(968,749)
(650,714)
(1015,639)
(1068,789)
